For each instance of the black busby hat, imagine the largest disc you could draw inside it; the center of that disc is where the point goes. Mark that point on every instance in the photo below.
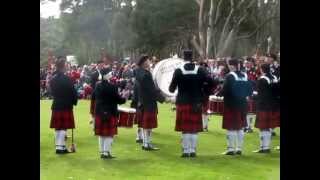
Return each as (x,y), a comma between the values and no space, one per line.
(187,55)
(142,59)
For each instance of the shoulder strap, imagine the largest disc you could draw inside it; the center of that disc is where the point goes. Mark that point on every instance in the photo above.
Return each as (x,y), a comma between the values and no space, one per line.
(185,72)
(245,78)
(234,75)
(266,78)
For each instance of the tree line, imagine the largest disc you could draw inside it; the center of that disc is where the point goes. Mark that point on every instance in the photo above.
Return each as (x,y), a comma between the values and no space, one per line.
(127,28)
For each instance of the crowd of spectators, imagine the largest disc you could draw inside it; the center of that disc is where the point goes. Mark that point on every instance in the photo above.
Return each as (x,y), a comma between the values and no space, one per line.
(123,74)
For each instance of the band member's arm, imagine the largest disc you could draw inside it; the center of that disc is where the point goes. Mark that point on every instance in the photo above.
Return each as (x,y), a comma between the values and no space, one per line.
(119,99)
(174,82)
(208,80)
(151,90)
(73,92)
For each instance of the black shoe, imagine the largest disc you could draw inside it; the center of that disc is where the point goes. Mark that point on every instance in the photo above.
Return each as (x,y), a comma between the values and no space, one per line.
(102,156)
(273,134)
(238,153)
(150,147)
(231,153)
(262,151)
(109,156)
(193,155)
(60,151)
(139,141)
(185,155)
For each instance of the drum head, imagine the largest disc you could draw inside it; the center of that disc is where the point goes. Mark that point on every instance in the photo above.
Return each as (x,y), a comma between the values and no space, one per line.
(163,73)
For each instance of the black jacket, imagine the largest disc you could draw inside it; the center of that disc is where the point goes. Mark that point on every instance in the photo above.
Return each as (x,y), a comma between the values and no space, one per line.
(192,88)
(268,97)
(147,93)
(107,98)
(229,100)
(63,92)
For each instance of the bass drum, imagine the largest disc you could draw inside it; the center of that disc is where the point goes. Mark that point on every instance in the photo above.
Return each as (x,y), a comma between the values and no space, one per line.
(163,73)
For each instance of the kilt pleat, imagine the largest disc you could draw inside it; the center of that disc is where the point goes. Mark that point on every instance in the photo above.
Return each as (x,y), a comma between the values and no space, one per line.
(267,119)
(108,128)
(148,120)
(188,121)
(233,119)
(276,117)
(62,119)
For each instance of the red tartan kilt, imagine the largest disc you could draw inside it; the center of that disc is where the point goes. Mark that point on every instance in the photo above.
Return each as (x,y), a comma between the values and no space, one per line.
(148,120)
(62,119)
(108,128)
(126,119)
(276,117)
(217,107)
(252,106)
(233,119)
(92,106)
(267,119)
(188,121)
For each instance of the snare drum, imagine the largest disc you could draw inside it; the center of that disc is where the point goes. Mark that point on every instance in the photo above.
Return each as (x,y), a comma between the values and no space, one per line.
(216,105)
(126,117)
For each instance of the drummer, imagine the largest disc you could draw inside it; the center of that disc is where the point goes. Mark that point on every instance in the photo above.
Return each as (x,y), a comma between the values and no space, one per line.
(148,96)
(190,80)
(106,113)
(268,110)
(235,91)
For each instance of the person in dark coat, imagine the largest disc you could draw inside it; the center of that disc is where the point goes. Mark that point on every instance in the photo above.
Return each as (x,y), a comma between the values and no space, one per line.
(268,107)
(235,107)
(64,98)
(190,81)
(106,112)
(148,95)
(95,77)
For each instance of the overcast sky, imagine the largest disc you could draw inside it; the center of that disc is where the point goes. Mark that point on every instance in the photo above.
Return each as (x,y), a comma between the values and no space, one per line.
(50,9)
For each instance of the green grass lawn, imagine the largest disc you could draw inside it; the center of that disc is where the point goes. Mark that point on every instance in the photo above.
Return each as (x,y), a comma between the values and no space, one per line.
(133,163)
